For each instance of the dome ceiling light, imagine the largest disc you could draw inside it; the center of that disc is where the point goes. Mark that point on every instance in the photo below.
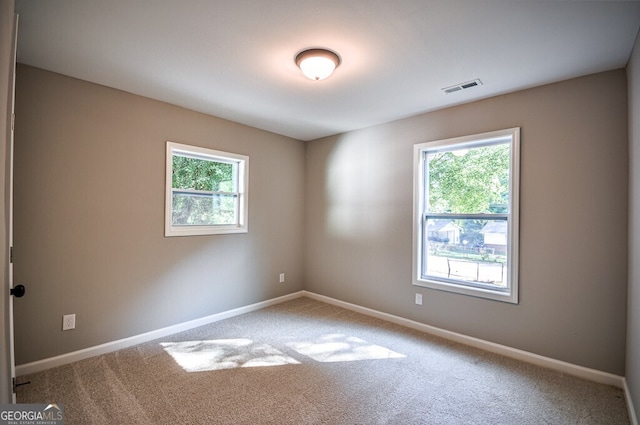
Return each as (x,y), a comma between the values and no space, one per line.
(317,64)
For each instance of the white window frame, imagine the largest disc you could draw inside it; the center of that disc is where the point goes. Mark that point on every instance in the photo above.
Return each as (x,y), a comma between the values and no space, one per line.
(420,197)
(242,161)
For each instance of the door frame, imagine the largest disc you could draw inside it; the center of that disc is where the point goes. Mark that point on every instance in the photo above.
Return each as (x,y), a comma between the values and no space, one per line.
(9,210)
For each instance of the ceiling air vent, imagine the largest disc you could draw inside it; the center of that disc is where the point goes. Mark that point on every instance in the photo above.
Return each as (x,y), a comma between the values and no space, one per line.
(462,86)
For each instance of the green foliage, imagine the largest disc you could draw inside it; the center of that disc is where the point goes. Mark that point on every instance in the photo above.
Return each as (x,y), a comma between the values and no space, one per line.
(469,183)
(203,210)
(204,175)
(471,231)
(200,174)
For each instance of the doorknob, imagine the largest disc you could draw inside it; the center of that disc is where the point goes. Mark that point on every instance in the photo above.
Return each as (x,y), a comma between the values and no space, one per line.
(18,291)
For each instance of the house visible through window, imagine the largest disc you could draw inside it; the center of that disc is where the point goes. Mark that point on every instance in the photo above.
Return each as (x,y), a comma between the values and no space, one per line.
(466,215)
(206,191)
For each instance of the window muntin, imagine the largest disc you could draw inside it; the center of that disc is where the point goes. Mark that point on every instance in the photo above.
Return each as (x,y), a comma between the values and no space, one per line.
(206,191)
(466,215)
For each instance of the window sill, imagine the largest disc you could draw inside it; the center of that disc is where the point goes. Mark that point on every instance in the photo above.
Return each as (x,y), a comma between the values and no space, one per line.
(203,230)
(478,292)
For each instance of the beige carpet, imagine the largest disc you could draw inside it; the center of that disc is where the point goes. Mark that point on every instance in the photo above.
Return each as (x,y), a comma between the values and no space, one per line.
(306,362)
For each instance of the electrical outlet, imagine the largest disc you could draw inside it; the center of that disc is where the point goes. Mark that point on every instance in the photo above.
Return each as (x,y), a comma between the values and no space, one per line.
(68,322)
(418,299)
(281,277)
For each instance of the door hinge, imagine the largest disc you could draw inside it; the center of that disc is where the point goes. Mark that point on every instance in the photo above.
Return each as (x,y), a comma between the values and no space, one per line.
(16,385)
(13,122)
(11,255)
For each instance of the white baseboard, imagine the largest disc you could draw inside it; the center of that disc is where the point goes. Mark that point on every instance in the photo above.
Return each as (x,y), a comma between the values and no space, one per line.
(632,411)
(547,362)
(525,356)
(48,363)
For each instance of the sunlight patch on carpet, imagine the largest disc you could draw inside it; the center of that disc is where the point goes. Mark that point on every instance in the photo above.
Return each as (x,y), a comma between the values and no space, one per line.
(342,348)
(201,356)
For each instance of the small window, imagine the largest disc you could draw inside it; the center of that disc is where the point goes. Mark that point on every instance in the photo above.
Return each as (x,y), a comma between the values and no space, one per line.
(206,191)
(466,215)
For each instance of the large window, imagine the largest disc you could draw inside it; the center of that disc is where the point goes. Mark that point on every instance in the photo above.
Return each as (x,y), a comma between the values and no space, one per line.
(466,215)
(206,191)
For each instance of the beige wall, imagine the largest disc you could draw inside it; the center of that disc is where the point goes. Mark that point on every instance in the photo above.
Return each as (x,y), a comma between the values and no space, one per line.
(89,217)
(633,321)
(573,238)
(7,8)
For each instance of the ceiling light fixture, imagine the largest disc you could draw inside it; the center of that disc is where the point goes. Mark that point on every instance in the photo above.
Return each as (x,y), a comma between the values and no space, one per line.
(317,64)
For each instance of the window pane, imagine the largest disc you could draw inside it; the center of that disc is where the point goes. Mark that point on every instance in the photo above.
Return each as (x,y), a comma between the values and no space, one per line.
(205,192)
(202,174)
(467,250)
(469,181)
(196,209)
(466,192)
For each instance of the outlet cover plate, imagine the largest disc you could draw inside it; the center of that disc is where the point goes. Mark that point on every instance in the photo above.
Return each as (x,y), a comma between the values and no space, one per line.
(68,322)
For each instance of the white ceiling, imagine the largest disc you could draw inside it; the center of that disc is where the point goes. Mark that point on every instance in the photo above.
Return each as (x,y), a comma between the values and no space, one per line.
(235,58)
